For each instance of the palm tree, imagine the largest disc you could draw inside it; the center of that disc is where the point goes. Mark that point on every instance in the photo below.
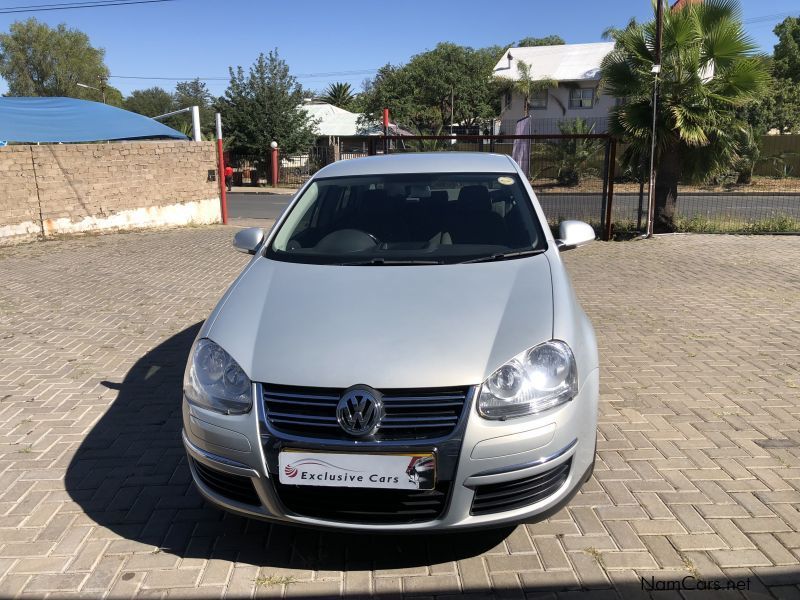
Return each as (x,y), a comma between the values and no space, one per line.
(526,85)
(573,157)
(339,94)
(708,70)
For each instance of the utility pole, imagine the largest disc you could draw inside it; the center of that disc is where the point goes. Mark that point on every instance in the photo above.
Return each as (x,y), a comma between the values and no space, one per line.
(102,79)
(656,70)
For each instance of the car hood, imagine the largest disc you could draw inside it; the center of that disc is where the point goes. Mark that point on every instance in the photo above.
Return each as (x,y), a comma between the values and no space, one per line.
(384,326)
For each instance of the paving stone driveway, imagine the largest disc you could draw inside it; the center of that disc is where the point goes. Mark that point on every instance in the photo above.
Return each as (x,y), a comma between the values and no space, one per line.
(698,470)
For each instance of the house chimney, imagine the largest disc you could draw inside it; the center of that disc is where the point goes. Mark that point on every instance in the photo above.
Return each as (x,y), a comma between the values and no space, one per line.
(509,60)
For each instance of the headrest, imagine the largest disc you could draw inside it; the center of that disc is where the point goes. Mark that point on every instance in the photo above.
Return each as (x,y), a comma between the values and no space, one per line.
(374,196)
(474,197)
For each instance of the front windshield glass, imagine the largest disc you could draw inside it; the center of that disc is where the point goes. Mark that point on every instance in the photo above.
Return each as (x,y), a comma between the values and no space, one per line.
(423,218)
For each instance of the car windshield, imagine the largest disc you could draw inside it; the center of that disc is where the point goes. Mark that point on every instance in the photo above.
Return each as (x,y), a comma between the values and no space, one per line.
(422,218)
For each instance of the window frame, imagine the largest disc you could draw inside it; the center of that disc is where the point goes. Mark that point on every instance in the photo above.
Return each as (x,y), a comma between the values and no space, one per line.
(532,106)
(579,105)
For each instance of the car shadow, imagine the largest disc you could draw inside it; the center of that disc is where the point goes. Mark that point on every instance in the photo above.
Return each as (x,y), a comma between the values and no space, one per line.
(130,475)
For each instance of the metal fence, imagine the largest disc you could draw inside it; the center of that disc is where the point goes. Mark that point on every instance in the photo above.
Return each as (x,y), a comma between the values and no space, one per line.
(758,195)
(579,176)
(296,169)
(293,169)
(554,125)
(570,173)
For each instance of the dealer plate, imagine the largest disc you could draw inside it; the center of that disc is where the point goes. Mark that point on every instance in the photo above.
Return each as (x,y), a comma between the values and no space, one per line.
(387,471)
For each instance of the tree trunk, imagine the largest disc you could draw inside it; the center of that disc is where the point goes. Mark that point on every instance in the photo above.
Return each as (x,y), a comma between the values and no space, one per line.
(668,173)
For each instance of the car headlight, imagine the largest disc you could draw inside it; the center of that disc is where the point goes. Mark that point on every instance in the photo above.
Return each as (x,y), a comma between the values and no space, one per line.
(531,382)
(214,380)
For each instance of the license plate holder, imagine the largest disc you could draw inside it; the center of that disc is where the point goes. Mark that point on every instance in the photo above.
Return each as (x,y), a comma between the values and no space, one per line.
(398,471)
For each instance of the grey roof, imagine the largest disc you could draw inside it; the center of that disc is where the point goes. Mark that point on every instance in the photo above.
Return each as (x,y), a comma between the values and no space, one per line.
(421,162)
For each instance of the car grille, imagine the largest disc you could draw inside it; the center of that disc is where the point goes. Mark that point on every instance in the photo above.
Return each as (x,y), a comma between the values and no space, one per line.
(410,414)
(363,505)
(499,497)
(235,487)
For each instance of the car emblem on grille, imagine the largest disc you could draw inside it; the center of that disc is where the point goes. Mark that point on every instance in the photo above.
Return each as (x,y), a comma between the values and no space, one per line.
(359,411)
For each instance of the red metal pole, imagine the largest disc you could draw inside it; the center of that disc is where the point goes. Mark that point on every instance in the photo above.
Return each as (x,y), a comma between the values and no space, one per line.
(385,130)
(223,197)
(274,165)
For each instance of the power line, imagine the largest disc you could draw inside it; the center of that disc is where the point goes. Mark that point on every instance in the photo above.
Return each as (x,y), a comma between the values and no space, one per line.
(764,18)
(299,76)
(75,5)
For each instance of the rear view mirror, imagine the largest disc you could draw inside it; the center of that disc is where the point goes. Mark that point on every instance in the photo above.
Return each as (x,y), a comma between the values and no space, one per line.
(573,234)
(248,240)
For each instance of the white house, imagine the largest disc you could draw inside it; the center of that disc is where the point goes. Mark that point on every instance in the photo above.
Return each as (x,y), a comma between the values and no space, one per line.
(576,68)
(339,128)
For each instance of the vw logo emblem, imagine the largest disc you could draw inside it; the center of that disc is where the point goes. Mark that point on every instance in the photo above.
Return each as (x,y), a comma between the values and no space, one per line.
(359,411)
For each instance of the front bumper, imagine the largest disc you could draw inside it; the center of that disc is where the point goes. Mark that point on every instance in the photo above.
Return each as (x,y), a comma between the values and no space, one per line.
(491,453)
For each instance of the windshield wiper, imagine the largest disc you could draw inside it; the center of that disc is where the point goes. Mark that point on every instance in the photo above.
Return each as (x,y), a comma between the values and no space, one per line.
(504,256)
(389,262)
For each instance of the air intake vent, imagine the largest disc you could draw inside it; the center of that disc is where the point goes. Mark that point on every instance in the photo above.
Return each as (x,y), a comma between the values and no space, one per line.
(373,506)
(235,487)
(499,497)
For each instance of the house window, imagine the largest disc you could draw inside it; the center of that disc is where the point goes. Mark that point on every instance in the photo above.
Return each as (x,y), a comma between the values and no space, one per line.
(507,100)
(581,97)
(538,100)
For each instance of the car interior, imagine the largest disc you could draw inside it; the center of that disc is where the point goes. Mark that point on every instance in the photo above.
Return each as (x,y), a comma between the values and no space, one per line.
(393,217)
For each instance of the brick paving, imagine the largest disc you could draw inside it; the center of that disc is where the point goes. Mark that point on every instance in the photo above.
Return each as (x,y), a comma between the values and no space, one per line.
(697,473)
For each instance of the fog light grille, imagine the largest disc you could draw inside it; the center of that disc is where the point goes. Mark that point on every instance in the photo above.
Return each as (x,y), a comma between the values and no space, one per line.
(235,487)
(508,495)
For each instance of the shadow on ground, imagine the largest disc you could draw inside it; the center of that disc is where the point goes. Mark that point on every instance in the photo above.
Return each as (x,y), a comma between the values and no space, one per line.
(130,475)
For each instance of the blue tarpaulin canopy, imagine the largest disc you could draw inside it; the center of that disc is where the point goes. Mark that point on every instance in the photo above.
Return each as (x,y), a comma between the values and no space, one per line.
(52,120)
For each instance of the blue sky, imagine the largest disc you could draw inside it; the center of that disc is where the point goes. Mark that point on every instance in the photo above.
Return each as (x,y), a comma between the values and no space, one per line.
(201,38)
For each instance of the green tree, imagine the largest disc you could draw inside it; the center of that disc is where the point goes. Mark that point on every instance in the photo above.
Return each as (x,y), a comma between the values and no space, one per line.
(450,83)
(779,108)
(708,70)
(195,93)
(787,50)
(339,94)
(548,40)
(151,102)
(113,96)
(265,105)
(38,60)
(573,157)
(748,155)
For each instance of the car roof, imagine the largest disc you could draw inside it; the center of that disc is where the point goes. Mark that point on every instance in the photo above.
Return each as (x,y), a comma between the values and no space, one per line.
(420,162)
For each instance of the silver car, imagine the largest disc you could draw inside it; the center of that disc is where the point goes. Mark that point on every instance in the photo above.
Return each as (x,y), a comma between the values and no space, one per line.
(403,352)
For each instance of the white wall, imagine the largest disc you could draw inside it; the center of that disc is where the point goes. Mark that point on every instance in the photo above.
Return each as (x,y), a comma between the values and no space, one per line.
(600,109)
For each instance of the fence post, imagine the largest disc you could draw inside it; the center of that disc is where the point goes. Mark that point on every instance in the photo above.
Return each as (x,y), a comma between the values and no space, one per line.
(612,167)
(223,198)
(604,202)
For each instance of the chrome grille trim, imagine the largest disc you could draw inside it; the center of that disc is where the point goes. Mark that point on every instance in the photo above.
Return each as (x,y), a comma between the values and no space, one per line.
(411,414)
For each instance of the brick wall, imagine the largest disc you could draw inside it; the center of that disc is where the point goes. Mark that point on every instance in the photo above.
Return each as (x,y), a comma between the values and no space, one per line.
(55,189)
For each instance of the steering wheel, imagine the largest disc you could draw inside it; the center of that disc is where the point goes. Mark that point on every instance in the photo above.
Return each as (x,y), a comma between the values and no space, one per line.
(347,240)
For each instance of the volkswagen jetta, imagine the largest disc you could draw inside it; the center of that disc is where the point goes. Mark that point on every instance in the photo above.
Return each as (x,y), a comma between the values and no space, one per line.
(403,352)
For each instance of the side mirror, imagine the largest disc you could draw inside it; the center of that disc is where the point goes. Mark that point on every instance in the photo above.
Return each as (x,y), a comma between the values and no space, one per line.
(573,234)
(248,240)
